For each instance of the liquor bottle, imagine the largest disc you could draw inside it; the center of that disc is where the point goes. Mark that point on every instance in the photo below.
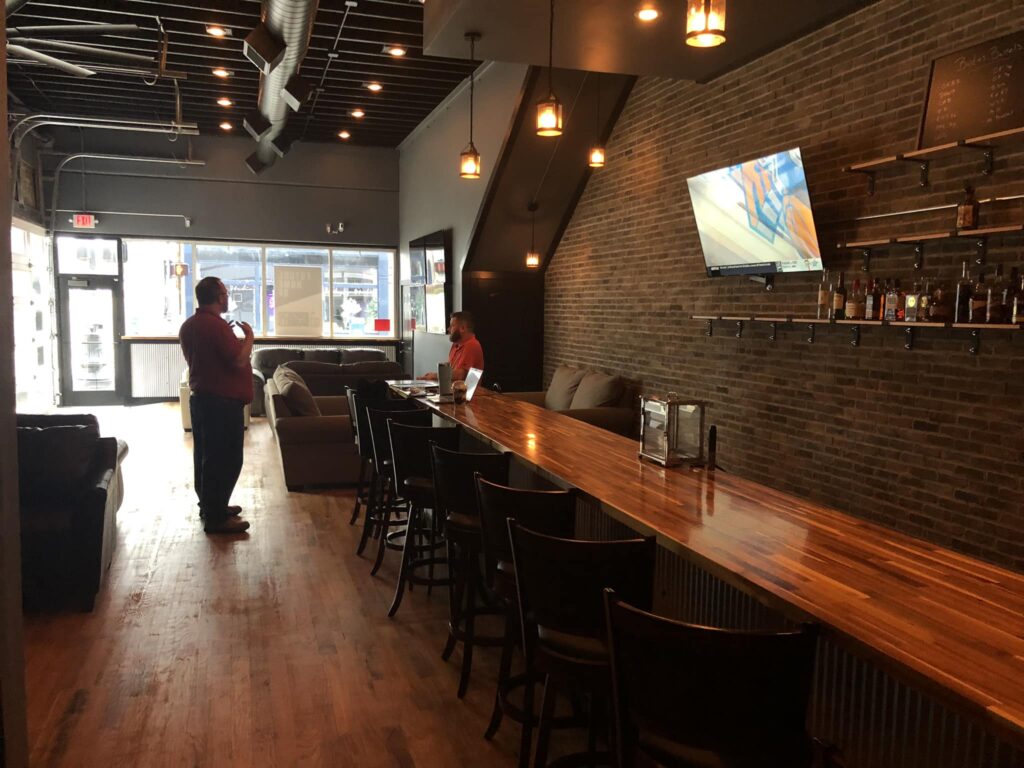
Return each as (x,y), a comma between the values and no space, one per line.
(942,305)
(924,303)
(871,300)
(994,309)
(964,290)
(839,299)
(911,303)
(855,304)
(1017,315)
(979,299)
(823,295)
(892,299)
(967,211)
(901,302)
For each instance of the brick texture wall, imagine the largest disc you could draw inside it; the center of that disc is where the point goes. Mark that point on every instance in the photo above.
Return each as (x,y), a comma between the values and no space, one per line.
(929,441)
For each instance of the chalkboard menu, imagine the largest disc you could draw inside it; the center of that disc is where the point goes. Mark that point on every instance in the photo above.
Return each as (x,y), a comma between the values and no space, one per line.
(973,92)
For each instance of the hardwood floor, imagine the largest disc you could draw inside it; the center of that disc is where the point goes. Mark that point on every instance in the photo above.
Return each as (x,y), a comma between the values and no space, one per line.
(272,649)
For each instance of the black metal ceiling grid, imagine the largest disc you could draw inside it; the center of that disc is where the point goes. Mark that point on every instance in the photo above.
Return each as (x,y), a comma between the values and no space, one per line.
(413,84)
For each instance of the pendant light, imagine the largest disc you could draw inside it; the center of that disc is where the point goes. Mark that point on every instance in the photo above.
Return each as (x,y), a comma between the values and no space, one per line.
(469,160)
(549,110)
(705,23)
(596,156)
(532,256)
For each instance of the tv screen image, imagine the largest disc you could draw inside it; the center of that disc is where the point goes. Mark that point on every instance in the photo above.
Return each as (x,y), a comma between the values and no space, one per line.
(755,217)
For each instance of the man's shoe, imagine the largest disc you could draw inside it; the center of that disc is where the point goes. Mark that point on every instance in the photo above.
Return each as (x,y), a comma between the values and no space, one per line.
(231,525)
(233,510)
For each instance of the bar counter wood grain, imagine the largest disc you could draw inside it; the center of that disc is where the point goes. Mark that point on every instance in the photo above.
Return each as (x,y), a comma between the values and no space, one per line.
(945,622)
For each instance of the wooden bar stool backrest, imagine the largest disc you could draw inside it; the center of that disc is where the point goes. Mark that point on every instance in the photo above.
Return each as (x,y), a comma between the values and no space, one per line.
(419,417)
(549,512)
(361,420)
(562,581)
(688,694)
(410,448)
(454,474)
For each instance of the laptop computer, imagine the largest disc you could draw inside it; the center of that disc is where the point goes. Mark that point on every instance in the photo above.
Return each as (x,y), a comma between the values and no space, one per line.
(472,382)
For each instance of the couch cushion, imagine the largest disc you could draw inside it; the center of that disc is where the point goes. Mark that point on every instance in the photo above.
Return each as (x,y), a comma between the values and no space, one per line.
(597,390)
(322,356)
(268,359)
(312,367)
(296,394)
(362,355)
(562,388)
(382,369)
(53,462)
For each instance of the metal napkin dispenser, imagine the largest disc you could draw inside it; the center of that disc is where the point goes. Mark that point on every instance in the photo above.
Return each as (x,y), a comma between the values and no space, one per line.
(671,430)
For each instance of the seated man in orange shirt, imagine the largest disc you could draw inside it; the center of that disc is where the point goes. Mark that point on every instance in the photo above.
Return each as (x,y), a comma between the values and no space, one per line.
(466,351)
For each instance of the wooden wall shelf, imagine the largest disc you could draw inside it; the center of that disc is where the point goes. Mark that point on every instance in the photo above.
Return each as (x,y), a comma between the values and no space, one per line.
(979,235)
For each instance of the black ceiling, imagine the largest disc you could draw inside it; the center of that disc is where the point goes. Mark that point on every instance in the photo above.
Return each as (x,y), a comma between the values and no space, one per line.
(413,85)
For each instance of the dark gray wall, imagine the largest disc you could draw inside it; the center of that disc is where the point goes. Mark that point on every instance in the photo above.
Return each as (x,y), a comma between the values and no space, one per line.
(292,201)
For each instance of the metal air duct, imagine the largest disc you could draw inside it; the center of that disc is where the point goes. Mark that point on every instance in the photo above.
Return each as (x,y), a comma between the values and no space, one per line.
(292,22)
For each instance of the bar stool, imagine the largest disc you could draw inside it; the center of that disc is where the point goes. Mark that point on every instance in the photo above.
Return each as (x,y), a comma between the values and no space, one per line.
(727,697)
(454,476)
(410,460)
(365,461)
(388,500)
(561,586)
(549,512)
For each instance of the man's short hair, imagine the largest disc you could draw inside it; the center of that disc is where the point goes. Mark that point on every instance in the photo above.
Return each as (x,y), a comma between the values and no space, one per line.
(207,290)
(466,318)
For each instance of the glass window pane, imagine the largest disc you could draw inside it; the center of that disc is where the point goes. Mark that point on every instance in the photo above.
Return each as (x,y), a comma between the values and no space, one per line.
(240,269)
(91,319)
(86,256)
(363,292)
(298,292)
(32,294)
(156,299)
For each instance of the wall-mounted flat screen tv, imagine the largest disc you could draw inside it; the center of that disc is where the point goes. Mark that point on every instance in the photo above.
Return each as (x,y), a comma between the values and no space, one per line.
(754,218)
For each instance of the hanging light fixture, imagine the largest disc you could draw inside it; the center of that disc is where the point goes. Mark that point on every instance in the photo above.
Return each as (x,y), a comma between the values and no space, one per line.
(647,12)
(705,23)
(532,255)
(549,110)
(469,160)
(596,157)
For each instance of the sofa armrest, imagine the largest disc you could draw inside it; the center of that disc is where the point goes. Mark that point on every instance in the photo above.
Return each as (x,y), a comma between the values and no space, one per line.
(257,376)
(332,405)
(304,430)
(621,421)
(534,398)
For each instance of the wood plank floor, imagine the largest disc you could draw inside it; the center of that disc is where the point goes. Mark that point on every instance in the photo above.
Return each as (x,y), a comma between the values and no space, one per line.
(270,650)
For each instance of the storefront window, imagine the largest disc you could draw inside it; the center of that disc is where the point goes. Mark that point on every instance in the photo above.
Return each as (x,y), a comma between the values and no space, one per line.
(158,293)
(86,256)
(298,292)
(33,293)
(362,292)
(240,268)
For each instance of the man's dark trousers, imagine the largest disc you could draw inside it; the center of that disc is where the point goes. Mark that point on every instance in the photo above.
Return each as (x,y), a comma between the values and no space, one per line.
(218,431)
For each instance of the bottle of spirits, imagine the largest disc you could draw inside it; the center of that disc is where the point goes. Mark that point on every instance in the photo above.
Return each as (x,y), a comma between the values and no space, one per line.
(911,303)
(1017,314)
(823,295)
(924,303)
(979,299)
(942,304)
(967,211)
(855,303)
(901,302)
(871,300)
(964,291)
(839,299)
(994,302)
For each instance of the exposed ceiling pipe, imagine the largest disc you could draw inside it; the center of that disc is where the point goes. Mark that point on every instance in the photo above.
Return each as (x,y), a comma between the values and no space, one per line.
(292,22)
(12,6)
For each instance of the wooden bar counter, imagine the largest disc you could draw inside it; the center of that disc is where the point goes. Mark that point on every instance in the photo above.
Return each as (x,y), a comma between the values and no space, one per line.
(944,622)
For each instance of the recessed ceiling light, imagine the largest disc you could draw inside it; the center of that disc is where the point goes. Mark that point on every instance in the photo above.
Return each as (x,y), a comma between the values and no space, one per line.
(647,12)
(344,135)
(216,30)
(396,50)
(221,72)
(357,113)
(226,126)
(225,102)
(374,86)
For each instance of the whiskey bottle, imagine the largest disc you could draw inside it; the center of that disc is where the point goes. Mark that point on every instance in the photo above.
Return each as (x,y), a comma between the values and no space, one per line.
(901,302)
(964,291)
(924,303)
(1017,314)
(823,295)
(967,211)
(910,302)
(871,300)
(892,299)
(855,304)
(979,299)
(995,309)
(839,299)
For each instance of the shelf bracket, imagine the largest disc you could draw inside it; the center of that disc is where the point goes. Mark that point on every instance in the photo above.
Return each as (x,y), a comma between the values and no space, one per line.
(855,336)
(980,250)
(988,156)
(773,330)
(922,169)
(710,329)
(810,333)
(739,329)
(870,178)
(865,254)
(908,336)
(918,255)
(975,346)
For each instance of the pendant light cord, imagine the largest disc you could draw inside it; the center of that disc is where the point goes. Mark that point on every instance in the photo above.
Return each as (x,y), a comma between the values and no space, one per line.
(551,44)
(598,119)
(472,73)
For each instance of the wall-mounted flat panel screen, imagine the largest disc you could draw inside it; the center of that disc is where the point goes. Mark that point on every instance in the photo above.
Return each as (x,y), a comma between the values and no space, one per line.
(755,217)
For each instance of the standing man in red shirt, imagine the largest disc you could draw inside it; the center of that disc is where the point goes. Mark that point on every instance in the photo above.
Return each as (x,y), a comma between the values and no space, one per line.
(466,351)
(220,378)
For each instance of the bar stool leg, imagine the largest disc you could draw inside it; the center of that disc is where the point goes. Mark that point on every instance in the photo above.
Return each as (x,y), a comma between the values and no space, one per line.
(371,505)
(382,539)
(547,712)
(455,589)
(504,669)
(403,571)
(470,623)
(360,491)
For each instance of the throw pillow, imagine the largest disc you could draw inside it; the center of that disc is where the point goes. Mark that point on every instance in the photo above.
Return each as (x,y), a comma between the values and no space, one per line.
(299,399)
(562,388)
(53,462)
(597,390)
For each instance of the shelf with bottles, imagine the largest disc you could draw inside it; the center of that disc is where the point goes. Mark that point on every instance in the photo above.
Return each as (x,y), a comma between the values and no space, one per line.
(985,145)
(980,236)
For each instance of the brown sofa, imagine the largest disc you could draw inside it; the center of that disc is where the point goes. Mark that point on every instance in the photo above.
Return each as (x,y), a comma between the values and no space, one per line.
(265,361)
(307,408)
(601,399)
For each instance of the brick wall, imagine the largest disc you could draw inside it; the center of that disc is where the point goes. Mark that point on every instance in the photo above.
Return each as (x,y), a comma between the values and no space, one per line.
(928,441)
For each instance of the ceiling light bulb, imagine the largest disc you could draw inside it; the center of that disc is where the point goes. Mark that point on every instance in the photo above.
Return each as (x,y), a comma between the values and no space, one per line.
(344,135)
(221,72)
(216,30)
(596,157)
(375,86)
(226,126)
(705,23)
(396,50)
(532,260)
(224,101)
(357,113)
(647,12)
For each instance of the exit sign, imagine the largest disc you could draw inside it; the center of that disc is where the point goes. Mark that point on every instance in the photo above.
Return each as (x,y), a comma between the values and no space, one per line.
(84,221)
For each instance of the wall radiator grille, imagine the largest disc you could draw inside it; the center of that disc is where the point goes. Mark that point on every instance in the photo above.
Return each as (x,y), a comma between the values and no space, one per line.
(874,719)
